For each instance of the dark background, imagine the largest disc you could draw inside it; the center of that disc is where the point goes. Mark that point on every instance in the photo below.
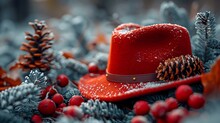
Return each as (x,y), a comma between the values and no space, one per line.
(24,10)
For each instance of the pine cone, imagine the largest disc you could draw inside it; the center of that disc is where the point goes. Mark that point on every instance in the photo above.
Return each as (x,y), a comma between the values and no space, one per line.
(179,68)
(37,46)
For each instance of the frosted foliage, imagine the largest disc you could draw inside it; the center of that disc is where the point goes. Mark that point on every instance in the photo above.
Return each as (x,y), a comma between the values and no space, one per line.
(37,78)
(10,118)
(70,67)
(101,60)
(72,91)
(97,108)
(23,98)
(171,13)
(65,119)
(204,44)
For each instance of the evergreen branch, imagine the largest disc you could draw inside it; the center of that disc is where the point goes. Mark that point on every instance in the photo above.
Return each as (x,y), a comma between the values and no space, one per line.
(204,44)
(103,109)
(127,118)
(214,44)
(205,25)
(69,91)
(21,100)
(198,47)
(170,13)
(70,67)
(65,119)
(101,59)
(10,118)
(37,78)
(78,24)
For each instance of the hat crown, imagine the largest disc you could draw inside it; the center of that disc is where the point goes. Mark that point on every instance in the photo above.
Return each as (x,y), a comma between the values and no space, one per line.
(139,50)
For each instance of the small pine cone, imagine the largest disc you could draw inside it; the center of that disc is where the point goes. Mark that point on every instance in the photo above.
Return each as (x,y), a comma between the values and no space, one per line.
(36,47)
(179,68)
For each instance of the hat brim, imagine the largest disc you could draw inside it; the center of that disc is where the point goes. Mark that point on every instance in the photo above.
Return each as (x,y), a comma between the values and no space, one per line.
(97,87)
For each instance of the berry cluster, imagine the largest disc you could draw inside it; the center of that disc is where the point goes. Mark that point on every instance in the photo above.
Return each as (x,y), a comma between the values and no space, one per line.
(53,105)
(185,94)
(168,111)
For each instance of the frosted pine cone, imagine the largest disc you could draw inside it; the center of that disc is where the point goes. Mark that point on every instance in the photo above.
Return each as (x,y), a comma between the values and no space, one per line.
(37,56)
(179,68)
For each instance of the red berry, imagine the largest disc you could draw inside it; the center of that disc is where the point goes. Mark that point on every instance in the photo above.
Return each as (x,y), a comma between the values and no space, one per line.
(183,92)
(46,107)
(36,119)
(73,111)
(171,103)
(76,100)
(43,94)
(58,112)
(159,109)
(141,108)
(159,120)
(93,68)
(62,105)
(196,101)
(51,90)
(62,80)
(59,109)
(58,98)
(139,119)
(176,115)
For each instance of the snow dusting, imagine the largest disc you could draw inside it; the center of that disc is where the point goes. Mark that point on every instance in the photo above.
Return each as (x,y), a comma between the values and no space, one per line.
(100,88)
(126,30)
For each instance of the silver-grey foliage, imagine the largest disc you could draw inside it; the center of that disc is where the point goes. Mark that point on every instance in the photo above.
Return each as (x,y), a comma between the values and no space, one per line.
(37,78)
(204,43)
(65,119)
(70,67)
(170,13)
(103,109)
(20,100)
(10,118)
(101,59)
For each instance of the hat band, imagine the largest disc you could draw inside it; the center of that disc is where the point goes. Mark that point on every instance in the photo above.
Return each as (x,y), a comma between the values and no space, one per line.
(131,78)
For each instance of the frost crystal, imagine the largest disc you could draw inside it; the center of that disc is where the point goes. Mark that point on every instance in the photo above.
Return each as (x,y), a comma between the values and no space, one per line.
(37,78)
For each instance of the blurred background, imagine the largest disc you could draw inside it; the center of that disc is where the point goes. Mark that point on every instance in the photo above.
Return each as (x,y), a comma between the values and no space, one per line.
(83,27)
(23,10)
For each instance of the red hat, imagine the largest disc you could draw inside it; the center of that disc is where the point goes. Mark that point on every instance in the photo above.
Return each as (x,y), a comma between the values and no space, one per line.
(135,54)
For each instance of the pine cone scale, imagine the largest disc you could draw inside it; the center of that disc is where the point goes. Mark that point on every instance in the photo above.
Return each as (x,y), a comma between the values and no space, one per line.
(33,49)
